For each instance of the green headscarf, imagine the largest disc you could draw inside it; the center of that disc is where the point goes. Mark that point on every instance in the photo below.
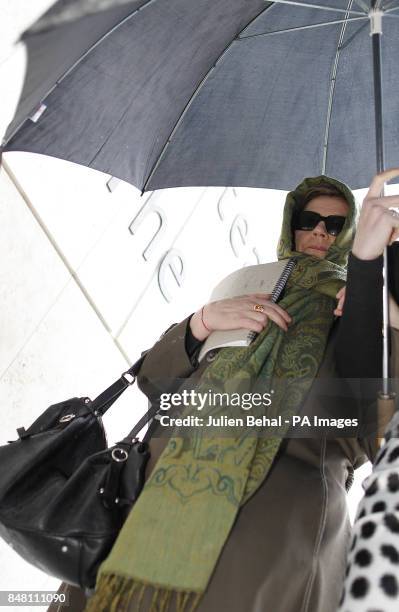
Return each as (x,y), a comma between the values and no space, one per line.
(169,545)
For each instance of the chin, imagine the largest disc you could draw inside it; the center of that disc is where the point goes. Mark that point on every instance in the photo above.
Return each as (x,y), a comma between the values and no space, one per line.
(318,254)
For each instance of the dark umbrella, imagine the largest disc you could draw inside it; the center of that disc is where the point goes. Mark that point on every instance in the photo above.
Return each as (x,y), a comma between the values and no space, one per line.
(198,92)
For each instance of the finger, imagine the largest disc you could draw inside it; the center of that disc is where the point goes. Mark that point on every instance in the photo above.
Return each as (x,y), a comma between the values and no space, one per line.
(260,317)
(338,312)
(378,182)
(387,201)
(251,325)
(393,217)
(342,294)
(270,306)
(278,319)
(383,212)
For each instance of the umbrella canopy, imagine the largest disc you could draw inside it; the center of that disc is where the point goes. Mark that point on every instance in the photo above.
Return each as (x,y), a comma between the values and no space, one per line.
(198,92)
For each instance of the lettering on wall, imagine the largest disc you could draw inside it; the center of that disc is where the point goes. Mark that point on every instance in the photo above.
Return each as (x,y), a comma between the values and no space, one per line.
(221,206)
(171,271)
(239,241)
(171,274)
(238,228)
(153,209)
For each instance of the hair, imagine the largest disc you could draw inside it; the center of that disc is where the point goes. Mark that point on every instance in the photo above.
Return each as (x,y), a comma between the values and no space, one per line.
(322,189)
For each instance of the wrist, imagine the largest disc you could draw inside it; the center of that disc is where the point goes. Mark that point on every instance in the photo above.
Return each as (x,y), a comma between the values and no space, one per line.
(363,255)
(198,325)
(366,249)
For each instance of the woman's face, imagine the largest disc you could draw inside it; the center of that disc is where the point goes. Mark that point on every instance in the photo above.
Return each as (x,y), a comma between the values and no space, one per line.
(317,241)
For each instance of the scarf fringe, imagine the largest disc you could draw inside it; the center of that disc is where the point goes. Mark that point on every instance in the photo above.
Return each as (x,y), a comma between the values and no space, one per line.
(115,594)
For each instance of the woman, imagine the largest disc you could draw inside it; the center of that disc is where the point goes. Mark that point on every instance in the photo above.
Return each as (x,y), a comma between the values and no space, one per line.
(277,539)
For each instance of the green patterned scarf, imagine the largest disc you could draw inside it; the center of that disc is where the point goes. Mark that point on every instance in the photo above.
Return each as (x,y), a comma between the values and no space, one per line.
(169,545)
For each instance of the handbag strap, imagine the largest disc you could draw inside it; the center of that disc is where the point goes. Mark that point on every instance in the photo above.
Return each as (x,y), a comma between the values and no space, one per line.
(146,418)
(104,401)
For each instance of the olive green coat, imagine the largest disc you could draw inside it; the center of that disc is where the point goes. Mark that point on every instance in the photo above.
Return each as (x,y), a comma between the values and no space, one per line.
(286,551)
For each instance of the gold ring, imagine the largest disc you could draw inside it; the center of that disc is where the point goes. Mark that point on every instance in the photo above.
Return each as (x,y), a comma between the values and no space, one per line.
(259,308)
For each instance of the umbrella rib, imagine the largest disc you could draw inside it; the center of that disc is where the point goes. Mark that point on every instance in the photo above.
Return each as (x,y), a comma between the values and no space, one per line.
(331,94)
(318,6)
(65,74)
(194,95)
(306,27)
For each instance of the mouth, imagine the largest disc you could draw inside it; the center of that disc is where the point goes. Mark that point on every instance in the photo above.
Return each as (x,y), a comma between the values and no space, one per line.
(318,248)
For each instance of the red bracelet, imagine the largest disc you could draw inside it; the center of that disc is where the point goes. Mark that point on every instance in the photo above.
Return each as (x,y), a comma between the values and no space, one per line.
(202,319)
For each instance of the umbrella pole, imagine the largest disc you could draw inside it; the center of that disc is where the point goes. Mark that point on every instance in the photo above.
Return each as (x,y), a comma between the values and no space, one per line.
(386,396)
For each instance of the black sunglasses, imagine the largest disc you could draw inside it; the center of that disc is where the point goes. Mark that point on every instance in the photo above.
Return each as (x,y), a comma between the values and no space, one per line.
(307,220)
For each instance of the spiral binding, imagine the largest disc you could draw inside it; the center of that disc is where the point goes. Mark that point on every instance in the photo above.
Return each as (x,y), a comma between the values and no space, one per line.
(277,289)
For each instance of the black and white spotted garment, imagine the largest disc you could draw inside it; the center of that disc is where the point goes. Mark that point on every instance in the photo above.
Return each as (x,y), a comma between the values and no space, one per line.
(372,573)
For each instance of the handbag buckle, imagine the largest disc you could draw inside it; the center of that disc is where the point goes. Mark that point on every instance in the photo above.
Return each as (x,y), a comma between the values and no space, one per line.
(123,454)
(129,378)
(66,418)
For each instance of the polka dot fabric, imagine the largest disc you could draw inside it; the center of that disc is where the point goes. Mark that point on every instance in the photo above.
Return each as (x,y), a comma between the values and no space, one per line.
(372,573)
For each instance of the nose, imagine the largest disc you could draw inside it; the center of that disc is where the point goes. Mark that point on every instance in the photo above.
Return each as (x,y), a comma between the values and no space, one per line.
(320,229)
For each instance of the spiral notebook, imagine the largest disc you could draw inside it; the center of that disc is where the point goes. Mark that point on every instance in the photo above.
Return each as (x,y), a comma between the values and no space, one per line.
(262,278)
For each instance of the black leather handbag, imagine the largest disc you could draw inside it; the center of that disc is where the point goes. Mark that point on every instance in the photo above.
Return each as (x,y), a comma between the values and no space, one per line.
(64,495)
